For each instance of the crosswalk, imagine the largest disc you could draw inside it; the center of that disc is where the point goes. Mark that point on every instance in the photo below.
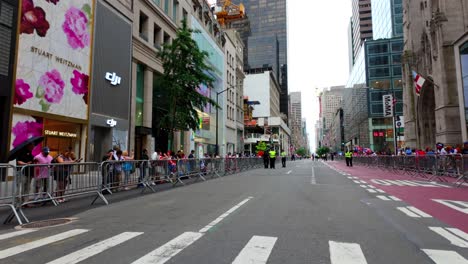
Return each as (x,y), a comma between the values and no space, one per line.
(257,249)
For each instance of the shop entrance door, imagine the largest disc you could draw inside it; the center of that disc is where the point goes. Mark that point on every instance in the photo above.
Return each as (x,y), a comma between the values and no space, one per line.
(102,142)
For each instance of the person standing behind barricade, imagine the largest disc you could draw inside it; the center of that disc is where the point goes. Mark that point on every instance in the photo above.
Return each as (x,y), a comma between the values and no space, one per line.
(128,168)
(272,154)
(44,172)
(143,166)
(283,158)
(349,158)
(107,170)
(266,159)
(24,159)
(62,173)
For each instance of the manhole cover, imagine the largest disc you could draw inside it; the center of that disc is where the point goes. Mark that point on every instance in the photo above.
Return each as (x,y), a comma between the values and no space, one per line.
(47,223)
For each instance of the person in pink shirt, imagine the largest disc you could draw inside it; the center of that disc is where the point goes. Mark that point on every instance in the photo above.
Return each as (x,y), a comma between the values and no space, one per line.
(42,175)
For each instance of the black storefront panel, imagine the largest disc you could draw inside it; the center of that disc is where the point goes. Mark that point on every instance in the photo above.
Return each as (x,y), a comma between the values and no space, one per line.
(111,86)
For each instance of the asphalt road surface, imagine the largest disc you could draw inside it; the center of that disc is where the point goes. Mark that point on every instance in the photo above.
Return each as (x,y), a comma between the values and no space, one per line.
(304,213)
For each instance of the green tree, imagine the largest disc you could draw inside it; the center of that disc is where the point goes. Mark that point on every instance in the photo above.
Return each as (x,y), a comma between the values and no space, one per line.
(185,68)
(301,151)
(322,151)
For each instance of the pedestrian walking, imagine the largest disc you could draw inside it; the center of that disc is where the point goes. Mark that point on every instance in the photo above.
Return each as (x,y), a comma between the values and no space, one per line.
(349,158)
(283,158)
(272,154)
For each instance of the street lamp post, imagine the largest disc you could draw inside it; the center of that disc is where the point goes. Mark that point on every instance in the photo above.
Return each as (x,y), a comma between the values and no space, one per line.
(217,95)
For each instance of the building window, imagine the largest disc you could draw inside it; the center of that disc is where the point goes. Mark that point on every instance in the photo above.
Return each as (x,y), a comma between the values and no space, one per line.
(157,37)
(143,26)
(376,48)
(166,7)
(379,72)
(157,2)
(140,95)
(167,39)
(184,14)
(175,8)
(397,46)
(378,60)
(380,84)
(464,71)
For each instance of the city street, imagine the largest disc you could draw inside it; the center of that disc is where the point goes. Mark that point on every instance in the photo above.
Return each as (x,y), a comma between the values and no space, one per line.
(305,213)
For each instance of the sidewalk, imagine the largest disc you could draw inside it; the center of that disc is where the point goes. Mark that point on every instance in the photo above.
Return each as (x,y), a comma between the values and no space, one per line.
(441,200)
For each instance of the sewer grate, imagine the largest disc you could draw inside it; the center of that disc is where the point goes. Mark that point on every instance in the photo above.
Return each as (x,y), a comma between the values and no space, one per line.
(48,223)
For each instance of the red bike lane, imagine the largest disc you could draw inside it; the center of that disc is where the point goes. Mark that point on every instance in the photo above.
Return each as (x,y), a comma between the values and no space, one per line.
(444,202)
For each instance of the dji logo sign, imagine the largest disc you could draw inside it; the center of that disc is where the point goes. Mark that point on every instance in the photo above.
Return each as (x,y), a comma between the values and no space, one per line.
(113,78)
(111,122)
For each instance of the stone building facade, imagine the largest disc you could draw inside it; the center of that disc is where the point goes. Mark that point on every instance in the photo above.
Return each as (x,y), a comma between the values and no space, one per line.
(434,31)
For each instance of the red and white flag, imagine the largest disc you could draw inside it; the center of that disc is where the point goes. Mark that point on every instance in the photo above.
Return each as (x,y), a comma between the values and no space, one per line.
(418,82)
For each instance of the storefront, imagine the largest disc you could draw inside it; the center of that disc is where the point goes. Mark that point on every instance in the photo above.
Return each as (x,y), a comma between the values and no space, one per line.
(109,117)
(52,75)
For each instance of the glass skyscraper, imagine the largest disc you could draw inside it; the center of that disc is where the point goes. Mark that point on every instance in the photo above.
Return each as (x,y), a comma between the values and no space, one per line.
(267,42)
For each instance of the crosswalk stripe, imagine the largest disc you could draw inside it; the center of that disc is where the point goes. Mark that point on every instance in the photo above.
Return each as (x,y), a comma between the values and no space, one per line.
(455,240)
(355,181)
(16,233)
(371,190)
(95,249)
(395,198)
(382,197)
(363,186)
(170,249)
(346,253)
(445,256)
(459,233)
(39,243)
(364,182)
(419,212)
(256,251)
(408,212)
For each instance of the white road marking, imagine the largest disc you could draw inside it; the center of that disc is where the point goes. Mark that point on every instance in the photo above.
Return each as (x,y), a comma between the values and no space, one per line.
(16,233)
(95,249)
(419,212)
(371,190)
(455,240)
(170,249)
(350,178)
(364,182)
(363,186)
(380,190)
(459,233)
(382,197)
(39,243)
(460,206)
(414,212)
(357,182)
(256,251)
(289,172)
(445,256)
(346,253)
(220,218)
(395,198)
(372,187)
(312,178)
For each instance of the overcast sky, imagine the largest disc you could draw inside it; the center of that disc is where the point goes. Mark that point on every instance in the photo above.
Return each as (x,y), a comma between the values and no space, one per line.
(317,51)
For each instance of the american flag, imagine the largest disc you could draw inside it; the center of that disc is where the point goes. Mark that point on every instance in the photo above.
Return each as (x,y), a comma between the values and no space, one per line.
(418,82)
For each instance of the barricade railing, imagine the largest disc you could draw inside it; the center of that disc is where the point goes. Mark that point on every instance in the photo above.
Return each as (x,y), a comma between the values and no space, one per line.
(432,167)
(9,190)
(24,186)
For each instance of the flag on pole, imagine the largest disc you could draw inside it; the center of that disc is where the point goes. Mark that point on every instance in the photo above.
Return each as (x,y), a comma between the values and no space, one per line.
(418,82)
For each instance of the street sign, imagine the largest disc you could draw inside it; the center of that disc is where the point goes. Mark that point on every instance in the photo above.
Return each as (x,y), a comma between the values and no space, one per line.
(387,105)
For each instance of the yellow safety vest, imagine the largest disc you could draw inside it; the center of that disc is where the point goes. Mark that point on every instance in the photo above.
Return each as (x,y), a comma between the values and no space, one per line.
(283,154)
(272,154)
(348,154)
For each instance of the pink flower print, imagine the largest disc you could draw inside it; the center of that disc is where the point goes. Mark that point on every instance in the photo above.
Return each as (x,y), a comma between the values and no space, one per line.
(79,82)
(33,18)
(53,86)
(76,28)
(22,93)
(26,130)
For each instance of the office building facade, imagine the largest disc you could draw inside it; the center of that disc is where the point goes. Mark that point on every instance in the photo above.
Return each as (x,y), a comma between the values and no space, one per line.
(360,27)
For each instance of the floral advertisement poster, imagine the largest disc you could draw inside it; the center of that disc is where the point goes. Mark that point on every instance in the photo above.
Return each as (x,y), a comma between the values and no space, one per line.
(25,127)
(54,57)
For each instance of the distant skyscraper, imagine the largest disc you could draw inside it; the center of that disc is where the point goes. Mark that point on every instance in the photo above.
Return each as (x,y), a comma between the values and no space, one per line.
(267,41)
(360,27)
(295,119)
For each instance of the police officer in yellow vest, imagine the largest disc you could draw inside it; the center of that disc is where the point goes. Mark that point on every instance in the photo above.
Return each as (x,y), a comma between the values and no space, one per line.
(272,158)
(283,158)
(349,158)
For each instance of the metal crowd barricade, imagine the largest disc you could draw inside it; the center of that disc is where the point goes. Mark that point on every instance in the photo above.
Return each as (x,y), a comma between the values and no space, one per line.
(463,177)
(9,191)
